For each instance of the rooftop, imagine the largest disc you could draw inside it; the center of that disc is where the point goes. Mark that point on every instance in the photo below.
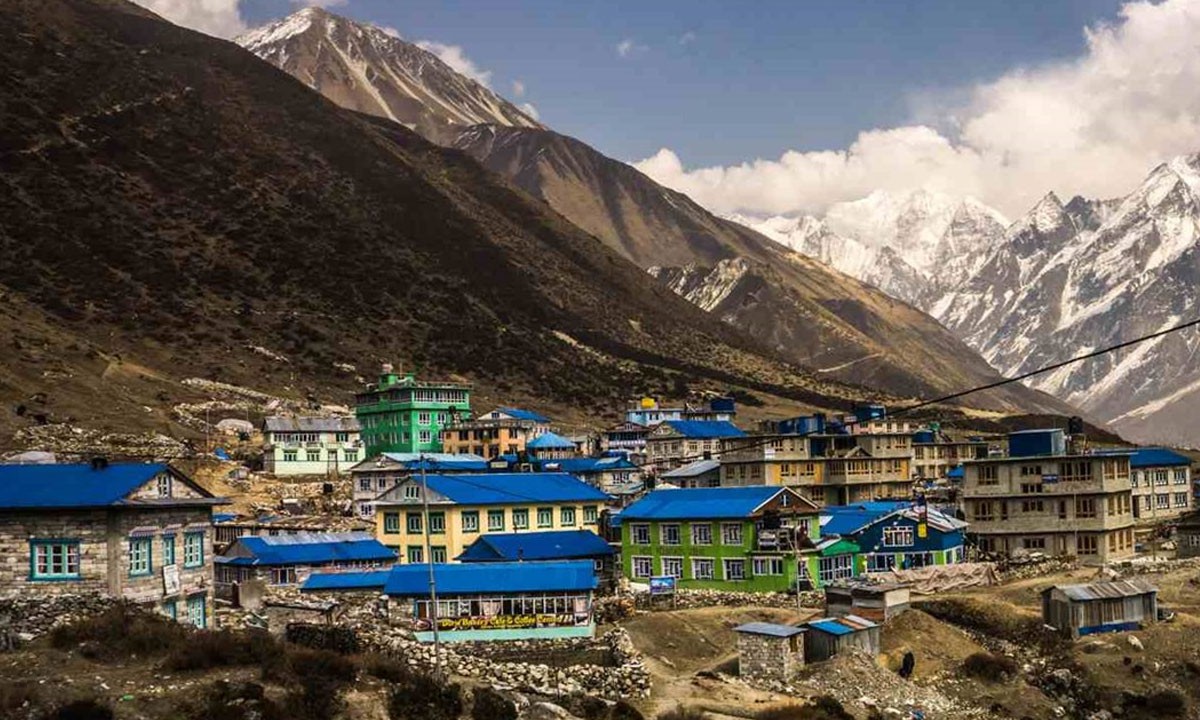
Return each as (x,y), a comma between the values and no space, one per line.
(1150,457)
(520,414)
(305,549)
(492,578)
(844,625)
(705,429)
(80,485)
(586,465)
(357,580)
(511,488)
(550,441)
(706,503)
(550,545)
(692,470)
(311,424)
(851,519)
(1105,590)
(772,629)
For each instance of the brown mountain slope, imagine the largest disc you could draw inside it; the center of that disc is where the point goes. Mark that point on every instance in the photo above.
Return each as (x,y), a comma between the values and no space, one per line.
(170,206)
(806,311)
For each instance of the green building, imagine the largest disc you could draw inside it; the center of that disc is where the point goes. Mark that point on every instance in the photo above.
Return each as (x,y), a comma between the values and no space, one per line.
(752,538)
(403,414)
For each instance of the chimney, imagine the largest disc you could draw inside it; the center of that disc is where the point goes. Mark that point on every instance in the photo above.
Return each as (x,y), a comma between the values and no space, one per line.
(99,462)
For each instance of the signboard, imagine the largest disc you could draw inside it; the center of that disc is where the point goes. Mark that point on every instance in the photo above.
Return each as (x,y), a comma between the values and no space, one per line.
(1049,478)
(505,622)
(170,576)
(662,585)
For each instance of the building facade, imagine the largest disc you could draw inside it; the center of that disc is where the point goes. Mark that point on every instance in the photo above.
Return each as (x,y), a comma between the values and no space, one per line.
(552,446)
(139,532)
(503,431)
(403,414)
(1079,505)
(676,442)
(934,455)
(745,538)
(310,445)
(371,478)
(627,437)
(1161,481)
(463,507)
(883,536)
(290,559)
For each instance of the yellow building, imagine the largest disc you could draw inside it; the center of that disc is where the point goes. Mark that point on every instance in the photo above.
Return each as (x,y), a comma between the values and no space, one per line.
(503,431)
(463,507)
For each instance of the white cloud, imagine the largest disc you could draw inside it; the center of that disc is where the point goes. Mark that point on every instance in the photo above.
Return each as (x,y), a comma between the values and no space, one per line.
(687,38)
(628,47)
(219,18)
(518,88)
(1094,126)
(458,61)
(530,110)
(389,30)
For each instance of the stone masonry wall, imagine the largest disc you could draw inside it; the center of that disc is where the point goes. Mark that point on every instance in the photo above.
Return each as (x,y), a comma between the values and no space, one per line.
(90,528)
(762,657)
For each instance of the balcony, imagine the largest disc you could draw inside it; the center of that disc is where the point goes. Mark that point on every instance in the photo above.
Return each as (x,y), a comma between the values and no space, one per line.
(781,540)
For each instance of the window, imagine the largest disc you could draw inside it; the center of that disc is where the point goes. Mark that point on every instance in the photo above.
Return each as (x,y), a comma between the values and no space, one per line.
(423,418)
(731,533)
(988,475)
(364,484)
(197,612)
(437,523)
(413,521)
(837,567)
(768,566)
(391,522)
(140,562)
(897,537)
(1033,506)
(312,455)
(193,549)
(1033,543)
(1181,499)
(425,437)
(412,491)
(642,567)
(1031,488)
(168,550)
(416,554)
(880,562)
(566,517)
(170,608)
(495,520)
(438,553)
(520,518)
(702,568)
(1086,545)
(985,510)
(54,560)
(283,576)
(701,533)
(1160,477)
(734,569)
(1085,507)
(290,455)
(1162,501)
(470,521)
(164,485)
(668,533)
(590,514)
(672,567)
(1181,477)
(639,534)
(350,455)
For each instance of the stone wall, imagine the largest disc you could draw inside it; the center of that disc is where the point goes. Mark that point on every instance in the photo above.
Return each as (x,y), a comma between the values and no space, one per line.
(90,528)
(765,657)
(24,618)
(616,607)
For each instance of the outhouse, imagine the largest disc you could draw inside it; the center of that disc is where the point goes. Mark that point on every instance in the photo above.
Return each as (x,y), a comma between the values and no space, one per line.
(768,651)
(879,602)
(829,636)
(1077,610)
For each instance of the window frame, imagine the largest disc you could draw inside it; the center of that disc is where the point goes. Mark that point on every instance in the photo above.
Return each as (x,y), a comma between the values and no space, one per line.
(696,526)
(142,542)
(472,515)
(496,527)
(634,562)
(67,544)
(168,546)
(391,523)
(727,563)
(741,534)
(193,540)
(662,534)
(638,531)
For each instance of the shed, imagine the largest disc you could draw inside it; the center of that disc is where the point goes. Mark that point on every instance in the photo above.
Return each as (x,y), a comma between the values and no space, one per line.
(1077,610)
(768,651)
(879,602)
(1187,536)
(829,636)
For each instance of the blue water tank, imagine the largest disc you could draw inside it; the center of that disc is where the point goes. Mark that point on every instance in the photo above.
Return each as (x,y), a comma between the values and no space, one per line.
(924,436)
(803,425)
(863,413)
(723,405)
(1028,443)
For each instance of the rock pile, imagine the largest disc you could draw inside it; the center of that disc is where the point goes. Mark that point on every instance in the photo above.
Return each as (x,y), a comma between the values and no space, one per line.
(73,443)
(715,598)
(24,618)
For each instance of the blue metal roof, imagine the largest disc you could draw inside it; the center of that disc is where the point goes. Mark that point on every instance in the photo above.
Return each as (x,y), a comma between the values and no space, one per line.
(700,503)
(772,629)
(513,488)
(438,461)
(346,580)
(549,441)
(1152,457)
(955,473)
(550,545)
(519,414)
(705,429)
(586,465)
(72,486)
(492,578)
(306,549)
(849,519)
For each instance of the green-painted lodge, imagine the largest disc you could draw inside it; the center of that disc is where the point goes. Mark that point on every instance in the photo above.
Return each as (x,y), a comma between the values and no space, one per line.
(402,414)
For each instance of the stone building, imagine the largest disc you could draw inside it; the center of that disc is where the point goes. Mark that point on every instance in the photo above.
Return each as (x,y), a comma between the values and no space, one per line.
(767,651)
(139,532)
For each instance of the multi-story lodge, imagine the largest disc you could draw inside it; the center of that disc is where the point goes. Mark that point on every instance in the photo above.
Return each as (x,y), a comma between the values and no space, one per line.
(504,431)
(827,469)
(462,507)
(1161,481)
(1056,503)
(139,532)
(743,538)
(628,437)
(648,413)
(675,442)
(310,445)
(934,454)
(403,414)
(371,478)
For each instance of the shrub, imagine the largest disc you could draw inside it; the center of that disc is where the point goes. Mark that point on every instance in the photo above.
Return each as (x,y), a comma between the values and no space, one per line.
(822,707)
(83,710)
(423,697)
(683,713)
(622,710)
(1166,703)
(386,668)
(235,701)
(223,648)
(988,667)
(16,695)
(491,705)
(321,675)
(120,632)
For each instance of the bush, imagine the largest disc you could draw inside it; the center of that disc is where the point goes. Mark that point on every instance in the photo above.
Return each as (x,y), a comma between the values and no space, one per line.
(624,711)
(236,701)
(223,648)
(491,705)
(83,710)
(119,633)
(386,668)
(423,697)
(1166,703)
(822,707)
(321,675)
(683,713)
(988,667)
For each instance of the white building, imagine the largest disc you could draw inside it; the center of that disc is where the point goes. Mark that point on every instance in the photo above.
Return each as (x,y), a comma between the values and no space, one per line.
(310,445)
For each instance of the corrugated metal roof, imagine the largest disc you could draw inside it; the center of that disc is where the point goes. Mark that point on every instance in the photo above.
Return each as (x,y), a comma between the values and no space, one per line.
(772,629)
(695,469)
(312,423)
(1151,457)
(705,429)
(513,488)
(346,580)
(1107,590)
(520,414)
(852,519)
(702,503)
(492,578)
(550,441)
(586,465)
(78,485)
(306,549)
(842,625)
(550,545)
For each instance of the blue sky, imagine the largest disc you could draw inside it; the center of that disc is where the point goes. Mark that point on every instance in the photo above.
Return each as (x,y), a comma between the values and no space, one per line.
(723,82)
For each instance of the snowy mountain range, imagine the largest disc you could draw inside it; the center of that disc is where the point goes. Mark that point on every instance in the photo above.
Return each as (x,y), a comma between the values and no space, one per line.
(1060,281)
